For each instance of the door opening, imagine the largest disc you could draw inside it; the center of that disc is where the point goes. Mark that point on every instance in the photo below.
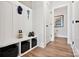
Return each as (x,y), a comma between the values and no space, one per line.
(60,22)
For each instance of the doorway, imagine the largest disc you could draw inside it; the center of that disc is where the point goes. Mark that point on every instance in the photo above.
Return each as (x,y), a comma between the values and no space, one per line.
(60,22)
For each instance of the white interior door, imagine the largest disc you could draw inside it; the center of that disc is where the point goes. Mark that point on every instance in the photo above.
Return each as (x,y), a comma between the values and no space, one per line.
(48,26)
(47,33)
(75,26)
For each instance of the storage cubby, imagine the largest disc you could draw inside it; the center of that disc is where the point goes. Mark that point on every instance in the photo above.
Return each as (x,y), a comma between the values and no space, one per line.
(19,49)
(9,51)
(28,45)
(25,45)
(33,42)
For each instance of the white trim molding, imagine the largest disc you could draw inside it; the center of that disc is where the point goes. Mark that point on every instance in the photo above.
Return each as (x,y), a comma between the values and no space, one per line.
(75,51)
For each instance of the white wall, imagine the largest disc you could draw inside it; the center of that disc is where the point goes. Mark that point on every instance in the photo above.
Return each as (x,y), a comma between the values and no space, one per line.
(21,21)
(41,17)
(38,17)
(75,28)
(61,31)
(5,23)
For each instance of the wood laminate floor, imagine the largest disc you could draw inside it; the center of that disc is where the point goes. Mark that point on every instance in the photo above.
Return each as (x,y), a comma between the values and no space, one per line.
(57,48)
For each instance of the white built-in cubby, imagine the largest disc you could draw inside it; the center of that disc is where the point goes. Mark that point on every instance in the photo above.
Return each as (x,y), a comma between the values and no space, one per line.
(31,48)
(11,22)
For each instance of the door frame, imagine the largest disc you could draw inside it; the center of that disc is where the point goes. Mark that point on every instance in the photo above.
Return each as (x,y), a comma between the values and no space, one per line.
(74,44)
(69,21)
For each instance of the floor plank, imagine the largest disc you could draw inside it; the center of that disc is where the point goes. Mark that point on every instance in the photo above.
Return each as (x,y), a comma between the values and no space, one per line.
(57,48)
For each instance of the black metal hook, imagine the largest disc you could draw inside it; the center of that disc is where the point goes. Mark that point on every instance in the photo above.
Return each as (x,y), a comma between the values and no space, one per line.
(19,9)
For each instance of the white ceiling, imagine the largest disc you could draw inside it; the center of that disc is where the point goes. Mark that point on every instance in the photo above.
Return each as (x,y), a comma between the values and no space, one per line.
(27,3)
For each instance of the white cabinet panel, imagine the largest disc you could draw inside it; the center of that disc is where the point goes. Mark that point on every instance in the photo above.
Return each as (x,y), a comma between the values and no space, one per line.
(5,23)
(21,21)
(11,22)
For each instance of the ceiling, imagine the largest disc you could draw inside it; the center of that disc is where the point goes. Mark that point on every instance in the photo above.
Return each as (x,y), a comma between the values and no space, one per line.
(27,3)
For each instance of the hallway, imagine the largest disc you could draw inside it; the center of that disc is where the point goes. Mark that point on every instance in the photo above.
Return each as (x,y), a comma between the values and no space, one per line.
(58,48)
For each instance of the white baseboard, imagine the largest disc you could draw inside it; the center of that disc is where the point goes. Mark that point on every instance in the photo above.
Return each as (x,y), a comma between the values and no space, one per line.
(75,51)
(52,39)
(61,36)
(42,45)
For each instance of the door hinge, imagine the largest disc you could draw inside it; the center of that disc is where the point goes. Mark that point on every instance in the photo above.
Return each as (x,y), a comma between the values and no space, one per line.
(72,42)
(73,21)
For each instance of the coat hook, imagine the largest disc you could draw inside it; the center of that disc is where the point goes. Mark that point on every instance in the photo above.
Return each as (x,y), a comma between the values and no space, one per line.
(28,12)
